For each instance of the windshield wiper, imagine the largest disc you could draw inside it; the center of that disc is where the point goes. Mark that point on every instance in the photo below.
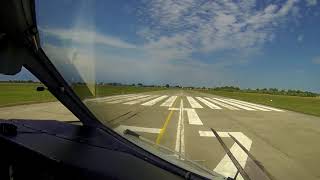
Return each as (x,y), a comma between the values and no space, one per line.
(240,169)
(233,159)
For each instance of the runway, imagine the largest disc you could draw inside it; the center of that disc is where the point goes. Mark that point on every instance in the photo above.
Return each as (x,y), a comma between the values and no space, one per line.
(181,121)
(284,142)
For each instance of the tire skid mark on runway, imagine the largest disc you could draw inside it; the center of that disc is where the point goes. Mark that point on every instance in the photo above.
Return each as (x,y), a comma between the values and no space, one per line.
(222,104)
(236,105)
(248,105)
(169,102)
(154,101)
(258,105)
(209,104)
(193,102)
(141,100)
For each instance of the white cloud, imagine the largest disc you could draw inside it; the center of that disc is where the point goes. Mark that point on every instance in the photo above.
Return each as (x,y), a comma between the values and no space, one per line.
(316,60)
(176,30)
(211,26)
(311,2)
(87,37)
(300,38)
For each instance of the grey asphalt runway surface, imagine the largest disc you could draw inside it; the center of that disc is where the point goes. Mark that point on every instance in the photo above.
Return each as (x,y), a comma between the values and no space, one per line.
(284,142)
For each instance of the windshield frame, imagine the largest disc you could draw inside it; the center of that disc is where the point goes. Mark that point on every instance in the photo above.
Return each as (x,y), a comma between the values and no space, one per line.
(42,68)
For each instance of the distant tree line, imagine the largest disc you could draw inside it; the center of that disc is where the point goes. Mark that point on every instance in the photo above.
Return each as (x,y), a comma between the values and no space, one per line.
(19,81)
(273,91)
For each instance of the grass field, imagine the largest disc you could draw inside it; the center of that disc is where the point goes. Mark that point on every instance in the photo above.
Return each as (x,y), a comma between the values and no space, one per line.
(307,105)
(22,93)
(25,93)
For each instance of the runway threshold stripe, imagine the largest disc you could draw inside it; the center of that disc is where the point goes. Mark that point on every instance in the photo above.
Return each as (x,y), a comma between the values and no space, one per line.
(258,105)
(209,104)
(193,117)
(127,99)
(225,166)
(210,134)
(109,98)
(193,102)
(120,97)
(248,105)
(236,105)
(154,101)
(140,100)
(169,102)
(222,104)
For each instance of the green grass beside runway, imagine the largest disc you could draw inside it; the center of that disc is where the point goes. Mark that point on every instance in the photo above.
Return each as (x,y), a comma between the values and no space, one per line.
(22,93)
(307,105)
(25,93)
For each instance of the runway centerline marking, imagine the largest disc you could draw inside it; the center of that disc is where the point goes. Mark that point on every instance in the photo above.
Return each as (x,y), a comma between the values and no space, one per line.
(154,101)
(180,147)
(193,102)
(209,104)
(169,102)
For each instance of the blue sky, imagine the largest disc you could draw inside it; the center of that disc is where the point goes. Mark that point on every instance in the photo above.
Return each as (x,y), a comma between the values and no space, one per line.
(247,43)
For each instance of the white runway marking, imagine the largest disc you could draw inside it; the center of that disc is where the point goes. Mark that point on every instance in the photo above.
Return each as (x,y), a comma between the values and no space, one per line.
(121,128)
(117,97)
(177,109)
(248,105)
(109,98)
(169,102)
(236,105)
(193,102)
(154,101)
(140,100)
(127,99)
(222,104)
(266,107)
(226,167)
(180,148)
(193,117)
(209,104)
(210,134)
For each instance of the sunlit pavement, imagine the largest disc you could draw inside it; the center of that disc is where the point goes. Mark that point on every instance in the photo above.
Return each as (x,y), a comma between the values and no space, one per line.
(284,142)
